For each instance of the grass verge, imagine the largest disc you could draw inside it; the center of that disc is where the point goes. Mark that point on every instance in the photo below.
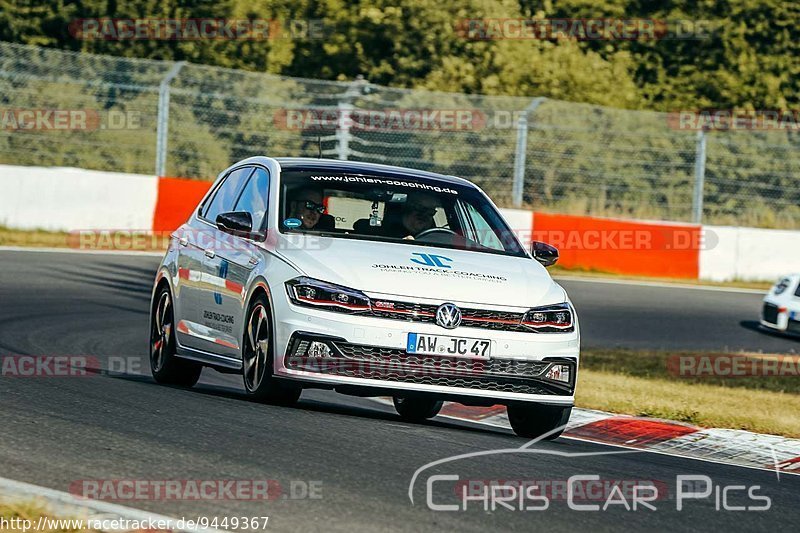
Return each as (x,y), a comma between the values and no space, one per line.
(644,383)
(25,517)
(108,240)
(33,238)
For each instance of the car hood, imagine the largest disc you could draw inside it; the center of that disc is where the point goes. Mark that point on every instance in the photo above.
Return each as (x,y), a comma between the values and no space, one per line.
(424,272)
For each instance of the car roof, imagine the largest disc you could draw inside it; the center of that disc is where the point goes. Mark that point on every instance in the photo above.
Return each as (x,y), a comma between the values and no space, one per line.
(359,167)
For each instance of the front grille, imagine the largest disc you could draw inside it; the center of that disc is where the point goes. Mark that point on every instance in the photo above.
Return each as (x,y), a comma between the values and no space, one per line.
(473,318)
(770,313)
(793,327)
(485,384)
(395,356)
(395,365)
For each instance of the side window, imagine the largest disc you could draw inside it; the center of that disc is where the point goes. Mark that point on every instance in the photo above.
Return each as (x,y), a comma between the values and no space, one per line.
(484,233)
(227,193)
(254,197)
(797,291)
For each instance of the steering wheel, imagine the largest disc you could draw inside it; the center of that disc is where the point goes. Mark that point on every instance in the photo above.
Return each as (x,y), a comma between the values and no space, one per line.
(433,231)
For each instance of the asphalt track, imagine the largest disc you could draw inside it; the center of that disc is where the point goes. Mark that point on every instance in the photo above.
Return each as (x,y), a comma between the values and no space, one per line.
(54,431)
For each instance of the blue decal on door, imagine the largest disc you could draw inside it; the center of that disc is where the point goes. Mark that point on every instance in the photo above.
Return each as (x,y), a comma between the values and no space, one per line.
(222,272)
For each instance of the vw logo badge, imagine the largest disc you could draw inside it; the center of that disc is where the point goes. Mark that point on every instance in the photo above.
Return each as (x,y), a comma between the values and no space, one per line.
(448,316)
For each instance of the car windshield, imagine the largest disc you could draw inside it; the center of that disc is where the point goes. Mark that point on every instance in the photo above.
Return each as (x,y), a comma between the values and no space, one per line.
(399,209)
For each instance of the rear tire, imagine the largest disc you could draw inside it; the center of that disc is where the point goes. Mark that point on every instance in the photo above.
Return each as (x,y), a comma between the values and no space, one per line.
(416,409)
(533,421)
(258,359)
(168,368)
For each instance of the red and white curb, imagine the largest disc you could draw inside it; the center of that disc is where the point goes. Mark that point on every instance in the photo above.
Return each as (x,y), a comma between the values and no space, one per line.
(62,505)
(728,446)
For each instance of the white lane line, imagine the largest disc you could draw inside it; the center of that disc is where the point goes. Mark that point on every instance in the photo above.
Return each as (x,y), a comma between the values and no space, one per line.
(661,284)
(75,251)
(63,501)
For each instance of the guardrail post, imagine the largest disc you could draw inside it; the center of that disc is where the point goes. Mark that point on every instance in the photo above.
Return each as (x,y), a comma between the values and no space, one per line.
(699,177)
(519,156)
(162,124)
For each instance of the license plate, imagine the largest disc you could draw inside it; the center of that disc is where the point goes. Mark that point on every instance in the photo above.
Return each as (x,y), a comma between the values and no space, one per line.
(422,343)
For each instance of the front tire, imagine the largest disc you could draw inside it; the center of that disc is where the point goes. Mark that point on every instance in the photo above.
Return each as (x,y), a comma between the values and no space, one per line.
(416,409)
(534,421)
(166,367)
(258,360)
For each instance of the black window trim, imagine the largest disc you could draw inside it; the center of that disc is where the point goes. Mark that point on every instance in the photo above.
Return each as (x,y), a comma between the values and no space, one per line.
(266,199)
(210,197)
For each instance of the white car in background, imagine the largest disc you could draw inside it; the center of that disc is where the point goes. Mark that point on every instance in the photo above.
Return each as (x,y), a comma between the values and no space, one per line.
(781,309)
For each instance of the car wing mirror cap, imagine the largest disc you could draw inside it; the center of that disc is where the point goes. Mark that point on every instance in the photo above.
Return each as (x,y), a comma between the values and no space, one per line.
(544,253)
(239,223)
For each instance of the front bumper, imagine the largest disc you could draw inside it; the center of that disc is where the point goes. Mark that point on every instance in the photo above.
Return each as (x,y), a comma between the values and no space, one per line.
(778,317)
(370,353)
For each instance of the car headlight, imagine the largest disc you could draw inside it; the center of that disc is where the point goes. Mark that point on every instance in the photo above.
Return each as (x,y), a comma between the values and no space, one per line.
(311,292)
(550,318)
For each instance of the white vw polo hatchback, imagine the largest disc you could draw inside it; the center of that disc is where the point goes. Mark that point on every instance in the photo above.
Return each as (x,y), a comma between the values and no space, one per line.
(370,280)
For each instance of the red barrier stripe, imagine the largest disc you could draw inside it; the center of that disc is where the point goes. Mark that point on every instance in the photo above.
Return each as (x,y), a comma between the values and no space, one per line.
(622,246)
(630,431)
(177,197)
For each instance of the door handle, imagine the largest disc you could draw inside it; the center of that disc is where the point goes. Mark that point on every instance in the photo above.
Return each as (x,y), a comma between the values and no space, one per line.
(210,253)
(183,241)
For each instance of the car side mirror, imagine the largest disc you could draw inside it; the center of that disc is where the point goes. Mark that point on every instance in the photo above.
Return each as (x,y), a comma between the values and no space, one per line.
(544,253)
(236,223)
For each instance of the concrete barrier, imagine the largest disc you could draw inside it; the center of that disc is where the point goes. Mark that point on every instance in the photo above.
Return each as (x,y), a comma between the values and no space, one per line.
(749,253)
(68,199)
